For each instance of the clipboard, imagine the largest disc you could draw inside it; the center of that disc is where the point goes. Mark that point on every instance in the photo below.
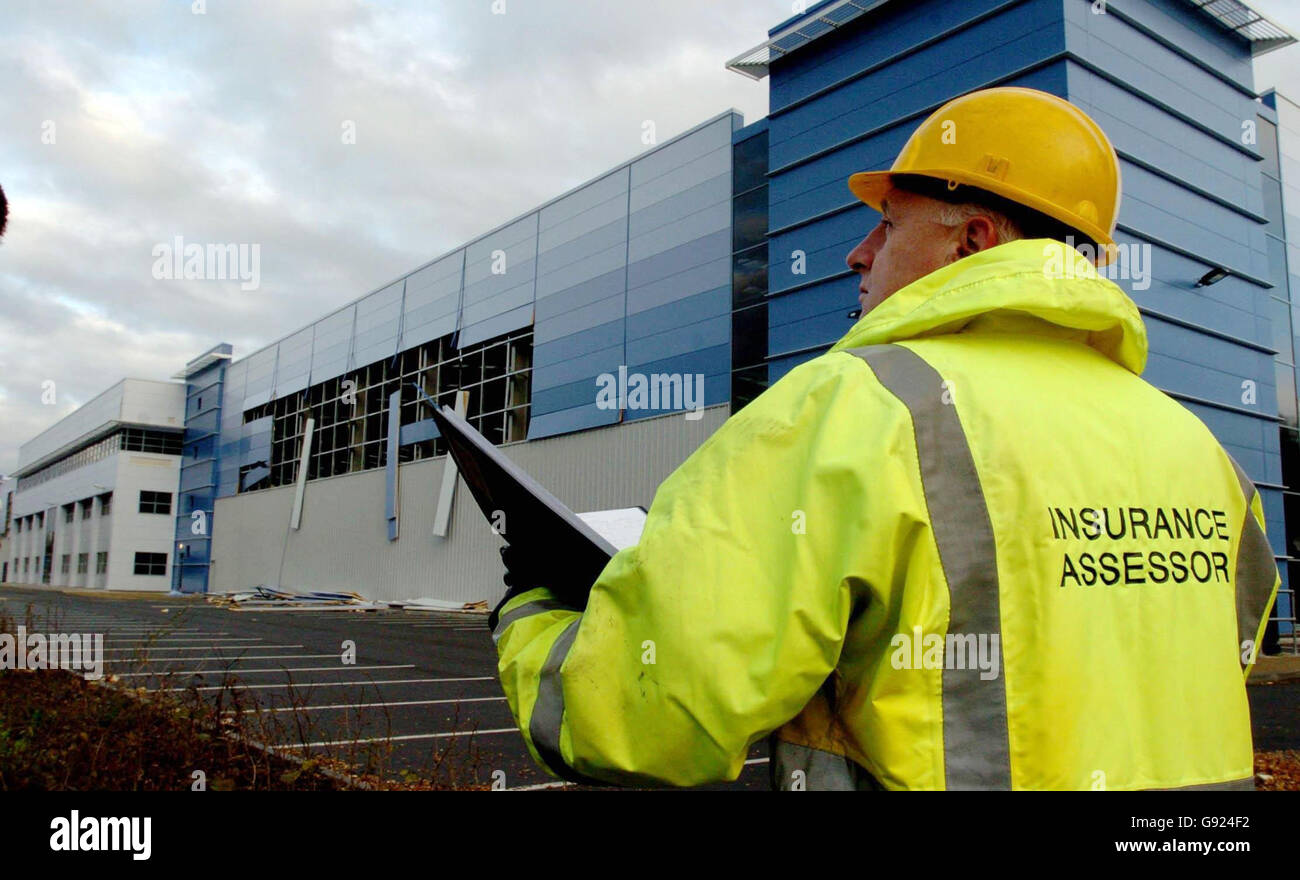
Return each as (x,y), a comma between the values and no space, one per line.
(535,520)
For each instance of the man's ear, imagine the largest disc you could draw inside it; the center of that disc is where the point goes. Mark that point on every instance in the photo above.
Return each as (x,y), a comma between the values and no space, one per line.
(975,235)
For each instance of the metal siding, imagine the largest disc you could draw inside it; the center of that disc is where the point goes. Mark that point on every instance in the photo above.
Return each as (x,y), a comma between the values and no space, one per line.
(505,322)
(696,279)
(432,298)
(577,344)
(874,39)
(680,313)
(1163,206)
(293,366)
(331,344)
(1175,147)
(232,420)
(576,368)
(578,418)
(1143,63)
(962,61)
(495,303)
(259,378)
(583,294)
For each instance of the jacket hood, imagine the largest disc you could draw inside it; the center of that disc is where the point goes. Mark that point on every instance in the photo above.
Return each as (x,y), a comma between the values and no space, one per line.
(1037,286)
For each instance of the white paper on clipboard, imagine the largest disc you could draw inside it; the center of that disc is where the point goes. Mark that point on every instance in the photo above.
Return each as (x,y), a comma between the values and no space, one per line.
(621,527)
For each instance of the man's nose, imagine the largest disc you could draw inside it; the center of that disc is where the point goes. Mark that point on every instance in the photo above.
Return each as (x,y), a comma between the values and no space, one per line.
(859,259)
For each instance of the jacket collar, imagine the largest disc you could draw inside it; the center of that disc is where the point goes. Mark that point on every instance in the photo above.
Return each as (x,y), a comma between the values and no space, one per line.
(1035,286)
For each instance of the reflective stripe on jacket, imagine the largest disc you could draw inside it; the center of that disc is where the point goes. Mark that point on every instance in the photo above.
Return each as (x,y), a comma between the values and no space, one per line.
(968,547)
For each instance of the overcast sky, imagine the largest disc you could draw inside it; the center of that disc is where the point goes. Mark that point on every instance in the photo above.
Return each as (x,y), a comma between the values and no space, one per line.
(127,124)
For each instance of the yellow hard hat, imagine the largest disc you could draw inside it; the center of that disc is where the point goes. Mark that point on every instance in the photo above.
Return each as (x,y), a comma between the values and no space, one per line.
(1030,147)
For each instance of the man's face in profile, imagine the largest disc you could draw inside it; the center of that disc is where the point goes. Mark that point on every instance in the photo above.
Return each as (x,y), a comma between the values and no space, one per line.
(906,245)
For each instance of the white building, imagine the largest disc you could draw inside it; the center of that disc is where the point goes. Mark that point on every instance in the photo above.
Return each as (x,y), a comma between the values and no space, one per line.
(94,504)
(6,504)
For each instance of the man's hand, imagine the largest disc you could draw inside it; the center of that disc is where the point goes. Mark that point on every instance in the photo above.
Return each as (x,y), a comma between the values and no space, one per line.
(524,571)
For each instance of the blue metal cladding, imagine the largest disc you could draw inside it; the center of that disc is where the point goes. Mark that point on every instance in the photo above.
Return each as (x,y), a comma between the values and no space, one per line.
(432,302)
(206,394)
(633,270)
(232,420)
(679,266)
(500,278)
(578,328)
(848,104)
(1279,142)
(1175,95)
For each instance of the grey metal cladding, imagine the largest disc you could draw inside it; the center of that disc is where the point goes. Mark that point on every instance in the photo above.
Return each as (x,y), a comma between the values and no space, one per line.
(381,308)
(672,210)
(585,293)
(580,367)
(561,256)
(673,261)
(681,179)
(506,300)
(598,263)
(596,217)
(515,272)
(576,344)
(593,315)
(503,322)
(681,154)
(611,187)
(683,284)
(679,340)
(521,234)
(694,226)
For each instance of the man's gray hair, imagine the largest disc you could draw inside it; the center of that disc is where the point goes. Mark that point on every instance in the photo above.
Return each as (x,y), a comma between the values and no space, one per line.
(947,214)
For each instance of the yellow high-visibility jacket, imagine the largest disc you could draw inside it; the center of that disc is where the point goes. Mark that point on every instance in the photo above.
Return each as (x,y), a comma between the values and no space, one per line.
(968,547)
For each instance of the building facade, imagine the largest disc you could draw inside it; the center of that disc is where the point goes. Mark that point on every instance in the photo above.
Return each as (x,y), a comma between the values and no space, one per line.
(705,268)
(93,503)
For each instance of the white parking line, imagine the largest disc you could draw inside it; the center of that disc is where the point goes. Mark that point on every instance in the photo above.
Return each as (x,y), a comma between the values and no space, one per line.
(323,684)
(137,631)
(100,619)
(203,648)
(410,736)
(226,659)
(374,705)
(183,641)
(540,786)
(153,627)
(337,668)
(460,625)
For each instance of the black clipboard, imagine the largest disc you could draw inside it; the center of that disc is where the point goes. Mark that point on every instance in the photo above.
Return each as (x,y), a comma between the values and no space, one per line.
(536,522)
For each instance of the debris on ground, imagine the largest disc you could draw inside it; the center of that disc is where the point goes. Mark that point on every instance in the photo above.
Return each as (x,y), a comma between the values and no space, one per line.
(266,598)
(479,607)
(1277,771)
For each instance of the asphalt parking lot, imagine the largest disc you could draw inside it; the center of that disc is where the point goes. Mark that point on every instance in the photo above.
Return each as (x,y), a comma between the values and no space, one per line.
(422,695)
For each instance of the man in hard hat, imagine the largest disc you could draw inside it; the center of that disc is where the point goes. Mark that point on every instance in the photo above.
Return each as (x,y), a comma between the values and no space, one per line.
(968,547)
